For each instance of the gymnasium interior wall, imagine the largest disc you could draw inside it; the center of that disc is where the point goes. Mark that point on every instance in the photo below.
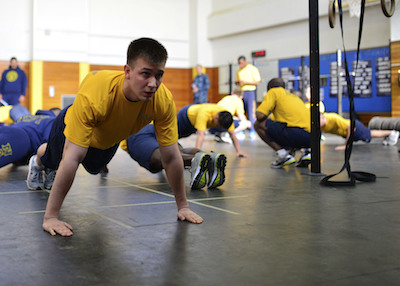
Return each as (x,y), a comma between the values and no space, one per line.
(61,35)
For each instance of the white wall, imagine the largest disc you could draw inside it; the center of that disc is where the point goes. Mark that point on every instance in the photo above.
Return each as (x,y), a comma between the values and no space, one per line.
(94,31)
(395,23)
(15,29)
(210,32)
(282,28)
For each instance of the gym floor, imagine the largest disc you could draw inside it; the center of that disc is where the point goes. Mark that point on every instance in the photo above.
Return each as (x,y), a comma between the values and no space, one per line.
(262,227)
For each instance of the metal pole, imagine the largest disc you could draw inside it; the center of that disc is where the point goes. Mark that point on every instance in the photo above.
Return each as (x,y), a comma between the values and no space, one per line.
(339,82)
(314,83)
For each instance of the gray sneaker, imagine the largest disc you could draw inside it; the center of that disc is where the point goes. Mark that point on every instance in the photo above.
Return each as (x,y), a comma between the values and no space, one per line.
(49,176)
(283,161)
(34,180)
(198,168)
(216,170)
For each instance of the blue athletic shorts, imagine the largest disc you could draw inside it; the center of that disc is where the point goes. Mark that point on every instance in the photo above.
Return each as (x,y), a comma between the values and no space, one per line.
(287,137)
(95,159)
(142,145)
(185,128)
(362,132)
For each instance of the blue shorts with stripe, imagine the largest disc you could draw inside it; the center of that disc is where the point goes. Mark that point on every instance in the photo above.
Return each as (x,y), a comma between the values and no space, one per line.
(362,132)
(142,145)
(185,128)
(95,159)
(287,137)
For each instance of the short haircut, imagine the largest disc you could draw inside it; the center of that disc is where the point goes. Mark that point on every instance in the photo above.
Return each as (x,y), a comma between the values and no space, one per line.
(225,119)
(238,91)
(241,58)
(275,82)
(148,49)
(13,58)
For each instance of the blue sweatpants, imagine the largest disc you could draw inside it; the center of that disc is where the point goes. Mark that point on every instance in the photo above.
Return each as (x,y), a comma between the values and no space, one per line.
(15,145)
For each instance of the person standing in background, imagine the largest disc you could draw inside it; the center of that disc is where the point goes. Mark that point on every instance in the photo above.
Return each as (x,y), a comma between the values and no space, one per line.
(200,86)
(248,77)
(13,84)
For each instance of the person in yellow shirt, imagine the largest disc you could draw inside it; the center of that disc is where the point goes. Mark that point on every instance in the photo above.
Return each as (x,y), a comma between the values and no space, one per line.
(233,103)
(247,78)
(197,118)
(290,128)
(335,124)
(109,107)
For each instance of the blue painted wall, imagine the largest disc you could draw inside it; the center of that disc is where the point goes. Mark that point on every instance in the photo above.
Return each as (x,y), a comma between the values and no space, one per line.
(373,75)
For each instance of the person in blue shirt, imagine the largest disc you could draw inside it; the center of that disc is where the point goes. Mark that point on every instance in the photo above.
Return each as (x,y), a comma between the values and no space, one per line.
(200,86)
(13,84)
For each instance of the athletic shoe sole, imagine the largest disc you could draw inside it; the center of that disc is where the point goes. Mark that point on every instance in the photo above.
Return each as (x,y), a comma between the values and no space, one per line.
(199,179)
(217,171)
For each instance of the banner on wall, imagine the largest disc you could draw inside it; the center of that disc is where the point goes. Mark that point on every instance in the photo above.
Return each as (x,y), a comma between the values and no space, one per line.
(371,80)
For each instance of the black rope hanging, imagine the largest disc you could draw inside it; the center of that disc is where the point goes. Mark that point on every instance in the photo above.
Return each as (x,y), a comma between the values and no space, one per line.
(352,175)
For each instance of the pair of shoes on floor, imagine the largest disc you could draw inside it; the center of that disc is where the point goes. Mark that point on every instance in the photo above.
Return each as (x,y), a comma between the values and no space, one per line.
(203,164)
(39,178)
(392,138)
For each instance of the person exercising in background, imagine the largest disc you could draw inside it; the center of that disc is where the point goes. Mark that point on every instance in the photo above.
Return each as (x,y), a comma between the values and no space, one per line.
(290,128)
(197,118)
(335,124)
(234,104)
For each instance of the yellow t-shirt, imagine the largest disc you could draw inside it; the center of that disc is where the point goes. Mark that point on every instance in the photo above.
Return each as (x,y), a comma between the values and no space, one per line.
(233,104)
(5,114)
(286,108)
(101,116)
(201,116)
(248,73)
(335,124)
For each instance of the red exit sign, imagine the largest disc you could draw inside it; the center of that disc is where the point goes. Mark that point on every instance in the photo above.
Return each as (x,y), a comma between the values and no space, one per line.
(258,54)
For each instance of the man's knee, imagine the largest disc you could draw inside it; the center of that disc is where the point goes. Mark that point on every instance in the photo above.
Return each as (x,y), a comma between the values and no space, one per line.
(155,164)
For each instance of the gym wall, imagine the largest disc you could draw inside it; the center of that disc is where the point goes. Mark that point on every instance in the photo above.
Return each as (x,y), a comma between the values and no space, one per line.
(64,79)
